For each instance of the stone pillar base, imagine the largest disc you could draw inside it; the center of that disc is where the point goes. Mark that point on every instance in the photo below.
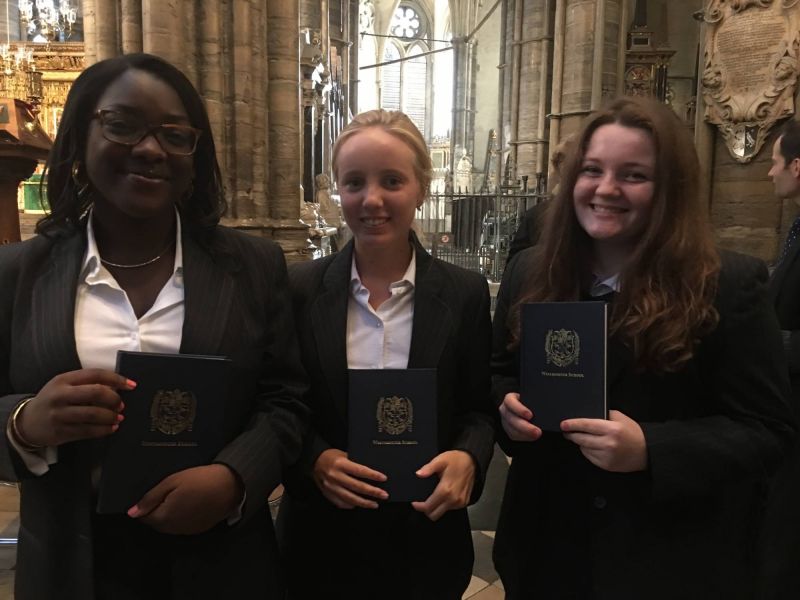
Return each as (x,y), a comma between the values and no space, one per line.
(291,235)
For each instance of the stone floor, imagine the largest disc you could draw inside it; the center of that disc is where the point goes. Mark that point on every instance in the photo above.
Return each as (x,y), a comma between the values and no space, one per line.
(485,584)
(9,523)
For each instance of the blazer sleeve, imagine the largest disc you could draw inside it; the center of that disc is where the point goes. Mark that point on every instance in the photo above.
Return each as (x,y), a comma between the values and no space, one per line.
(273,437)
(505,361)
(12,468)
(748,423)
(474,423)
(304,281)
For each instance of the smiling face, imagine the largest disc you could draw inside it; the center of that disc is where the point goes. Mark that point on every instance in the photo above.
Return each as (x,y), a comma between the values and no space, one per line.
(140,181)
(379,189)
(613,194)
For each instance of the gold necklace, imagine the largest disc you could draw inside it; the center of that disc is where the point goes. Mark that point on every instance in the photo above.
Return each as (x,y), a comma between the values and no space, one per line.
(137,265)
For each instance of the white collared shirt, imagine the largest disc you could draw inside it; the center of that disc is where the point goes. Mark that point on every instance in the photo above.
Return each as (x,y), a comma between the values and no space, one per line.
(104,318)
(105,322)
(601,287)
(380,339)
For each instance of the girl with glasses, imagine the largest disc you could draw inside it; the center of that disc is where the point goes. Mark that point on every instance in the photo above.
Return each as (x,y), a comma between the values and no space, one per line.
(131,257)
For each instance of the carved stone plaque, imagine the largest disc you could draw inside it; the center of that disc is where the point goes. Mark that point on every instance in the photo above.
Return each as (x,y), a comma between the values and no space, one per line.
(750,69)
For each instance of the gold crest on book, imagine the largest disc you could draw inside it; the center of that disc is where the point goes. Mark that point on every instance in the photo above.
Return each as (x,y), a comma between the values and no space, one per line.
(395,415)
(172,411)
(562,347)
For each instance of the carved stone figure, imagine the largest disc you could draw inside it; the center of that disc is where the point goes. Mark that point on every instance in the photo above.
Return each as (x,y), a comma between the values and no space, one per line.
(328,209)
(750,69)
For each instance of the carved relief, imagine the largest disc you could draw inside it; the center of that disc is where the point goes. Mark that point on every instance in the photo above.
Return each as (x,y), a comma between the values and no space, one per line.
(750,69)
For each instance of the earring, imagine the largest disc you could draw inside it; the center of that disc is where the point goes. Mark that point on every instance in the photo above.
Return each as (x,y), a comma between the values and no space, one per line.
(82,187)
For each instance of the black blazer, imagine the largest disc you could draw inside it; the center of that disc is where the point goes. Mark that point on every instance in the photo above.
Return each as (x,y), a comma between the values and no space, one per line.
(450,331)
(784,291)
(686,527)
(237,305)
(780,576)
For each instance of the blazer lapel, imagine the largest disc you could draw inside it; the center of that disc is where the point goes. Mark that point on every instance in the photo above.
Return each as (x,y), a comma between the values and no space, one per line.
(53,309)
(431,315)
(329,322)
(208,293)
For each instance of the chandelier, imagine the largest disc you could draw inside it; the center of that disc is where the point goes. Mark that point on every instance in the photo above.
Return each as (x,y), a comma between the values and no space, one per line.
(48,20)
(18,75)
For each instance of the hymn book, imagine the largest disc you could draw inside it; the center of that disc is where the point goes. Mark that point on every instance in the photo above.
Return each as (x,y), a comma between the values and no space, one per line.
(392,428)
(173,421)
(563,361)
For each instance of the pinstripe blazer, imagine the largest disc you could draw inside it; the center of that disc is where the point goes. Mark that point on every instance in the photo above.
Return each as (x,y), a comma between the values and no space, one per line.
(236,305)
(450,331)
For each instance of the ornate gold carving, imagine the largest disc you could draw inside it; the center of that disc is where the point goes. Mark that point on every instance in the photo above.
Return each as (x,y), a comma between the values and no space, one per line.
(395,415)
(562,347)
(172,411)
(750,70)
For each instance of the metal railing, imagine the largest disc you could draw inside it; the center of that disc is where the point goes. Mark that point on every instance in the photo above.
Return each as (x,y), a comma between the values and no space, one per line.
(474,230)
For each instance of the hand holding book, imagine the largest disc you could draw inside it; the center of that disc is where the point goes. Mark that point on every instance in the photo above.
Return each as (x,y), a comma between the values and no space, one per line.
(456,471)
(516,420)
(342,481)
(616,444)
(191,501)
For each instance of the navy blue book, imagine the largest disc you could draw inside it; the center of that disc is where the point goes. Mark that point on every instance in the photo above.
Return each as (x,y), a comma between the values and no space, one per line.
(173,421)
(392,427)
(563,361)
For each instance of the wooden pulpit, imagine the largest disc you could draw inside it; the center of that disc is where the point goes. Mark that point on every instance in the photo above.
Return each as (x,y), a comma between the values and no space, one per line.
(23,143)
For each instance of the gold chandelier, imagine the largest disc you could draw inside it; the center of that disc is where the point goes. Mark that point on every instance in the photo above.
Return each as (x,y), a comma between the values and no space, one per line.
(18,75)
(48,20)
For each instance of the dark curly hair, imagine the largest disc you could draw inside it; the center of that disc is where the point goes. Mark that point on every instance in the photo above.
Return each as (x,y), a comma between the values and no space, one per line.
(200,213)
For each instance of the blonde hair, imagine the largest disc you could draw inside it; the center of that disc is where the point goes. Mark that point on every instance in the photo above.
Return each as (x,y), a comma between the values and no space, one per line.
(395,123)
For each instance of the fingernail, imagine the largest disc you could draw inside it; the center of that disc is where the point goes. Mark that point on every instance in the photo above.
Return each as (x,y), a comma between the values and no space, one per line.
(120,418)
(133,511)
(121,406)
(114,427)
(130,383)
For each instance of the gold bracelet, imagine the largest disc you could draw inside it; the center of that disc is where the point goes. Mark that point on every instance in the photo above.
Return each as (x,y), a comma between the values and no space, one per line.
(18,437)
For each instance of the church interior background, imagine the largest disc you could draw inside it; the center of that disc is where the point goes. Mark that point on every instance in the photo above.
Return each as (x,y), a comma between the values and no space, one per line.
(494,85)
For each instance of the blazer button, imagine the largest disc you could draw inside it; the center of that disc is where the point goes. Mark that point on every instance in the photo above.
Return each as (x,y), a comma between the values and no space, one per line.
(599,502)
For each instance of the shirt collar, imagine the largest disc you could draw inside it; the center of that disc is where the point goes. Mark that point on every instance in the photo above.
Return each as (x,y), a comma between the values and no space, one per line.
(601,287)
(93,271)
(408,279)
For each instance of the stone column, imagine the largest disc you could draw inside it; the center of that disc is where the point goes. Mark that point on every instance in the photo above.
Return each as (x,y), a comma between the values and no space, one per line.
(131,26)
(463,18)
(10,30)
(100,20)
(246,77)
(167,32)
(285,129)
(588,30)
(532,36)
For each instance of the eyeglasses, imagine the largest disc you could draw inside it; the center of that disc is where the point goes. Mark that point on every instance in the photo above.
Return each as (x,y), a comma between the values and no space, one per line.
(129,130)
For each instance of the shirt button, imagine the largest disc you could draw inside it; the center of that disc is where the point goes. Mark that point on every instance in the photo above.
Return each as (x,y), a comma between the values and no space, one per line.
(599,502)
(378,325)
